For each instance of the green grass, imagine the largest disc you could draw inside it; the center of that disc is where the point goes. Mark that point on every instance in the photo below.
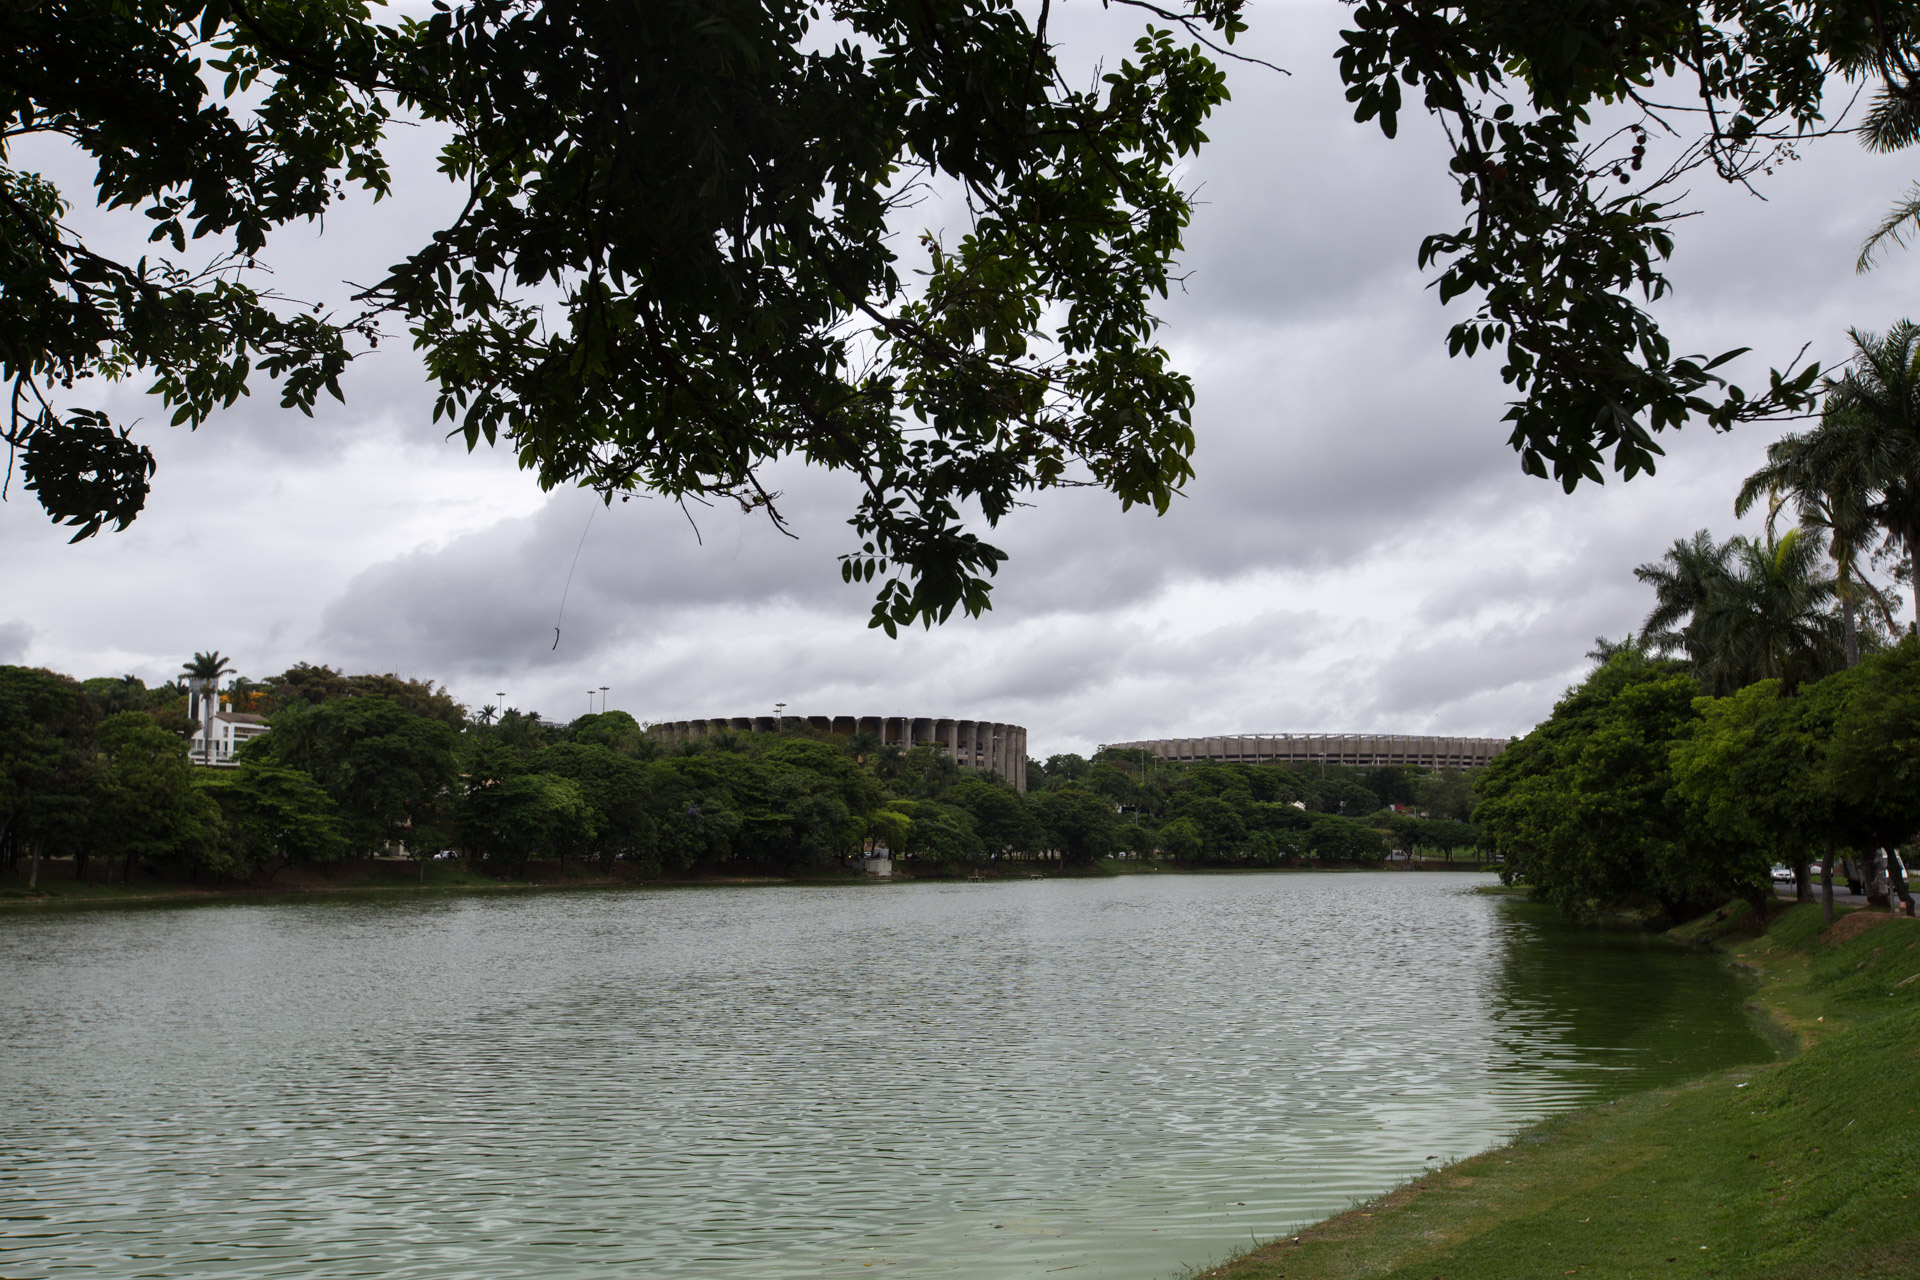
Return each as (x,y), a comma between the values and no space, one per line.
(1796,1170)
(1735,920)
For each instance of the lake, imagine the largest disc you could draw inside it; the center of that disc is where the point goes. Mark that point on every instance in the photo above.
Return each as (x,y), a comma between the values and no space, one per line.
(1109,1077)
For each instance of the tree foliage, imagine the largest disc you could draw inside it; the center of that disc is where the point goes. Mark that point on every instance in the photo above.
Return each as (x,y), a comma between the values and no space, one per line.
(675,263)
(1832,476)
(678,257)
(145,807)
(1557,116)
(46,762)
(1873,763)
(305,683)
(1752,770)
(388,768)
(1584,810)
(272,816)
(1872,415)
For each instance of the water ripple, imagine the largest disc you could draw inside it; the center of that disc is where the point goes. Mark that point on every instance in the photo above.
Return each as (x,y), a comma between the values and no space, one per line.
(997,1080)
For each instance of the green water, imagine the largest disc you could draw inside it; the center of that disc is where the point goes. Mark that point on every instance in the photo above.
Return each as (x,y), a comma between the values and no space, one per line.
(1107,1078)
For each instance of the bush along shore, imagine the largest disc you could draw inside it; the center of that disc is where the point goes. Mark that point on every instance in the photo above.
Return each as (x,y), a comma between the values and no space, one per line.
(1800,1169)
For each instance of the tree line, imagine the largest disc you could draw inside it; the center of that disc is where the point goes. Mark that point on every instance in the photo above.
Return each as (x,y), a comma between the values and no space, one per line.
(1768,710)
(98,771)
(1642,787)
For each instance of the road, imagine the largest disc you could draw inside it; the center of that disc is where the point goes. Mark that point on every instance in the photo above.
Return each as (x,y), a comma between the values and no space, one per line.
(1840,894)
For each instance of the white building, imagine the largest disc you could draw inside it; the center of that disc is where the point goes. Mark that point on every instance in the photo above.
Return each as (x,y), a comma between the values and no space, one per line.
(215,741)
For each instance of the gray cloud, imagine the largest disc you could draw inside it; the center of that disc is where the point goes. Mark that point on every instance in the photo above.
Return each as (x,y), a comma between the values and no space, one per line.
(14,639)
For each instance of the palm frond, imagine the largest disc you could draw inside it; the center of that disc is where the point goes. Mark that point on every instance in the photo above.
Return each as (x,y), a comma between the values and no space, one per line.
(1892,123)
(1893,229)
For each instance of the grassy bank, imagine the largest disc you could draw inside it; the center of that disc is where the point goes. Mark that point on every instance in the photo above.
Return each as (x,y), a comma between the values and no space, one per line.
(1796,1170)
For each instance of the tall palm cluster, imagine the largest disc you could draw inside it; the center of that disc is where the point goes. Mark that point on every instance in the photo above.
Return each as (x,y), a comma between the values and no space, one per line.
(1799,605)
(1746,609)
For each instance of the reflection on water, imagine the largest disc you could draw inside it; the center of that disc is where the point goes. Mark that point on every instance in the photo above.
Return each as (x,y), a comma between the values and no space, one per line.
(989,1080)
(1606,1010)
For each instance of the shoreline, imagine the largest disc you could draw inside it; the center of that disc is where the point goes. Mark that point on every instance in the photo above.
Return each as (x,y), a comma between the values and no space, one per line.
(398,877)
(1760,1171)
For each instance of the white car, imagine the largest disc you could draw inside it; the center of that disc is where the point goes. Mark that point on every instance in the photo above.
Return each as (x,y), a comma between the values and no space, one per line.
(1783,875)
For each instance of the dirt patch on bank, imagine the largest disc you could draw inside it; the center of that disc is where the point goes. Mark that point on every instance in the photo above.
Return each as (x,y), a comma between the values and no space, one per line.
(1852,925)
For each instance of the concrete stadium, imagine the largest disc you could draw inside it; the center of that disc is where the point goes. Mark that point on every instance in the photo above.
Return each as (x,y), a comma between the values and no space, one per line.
(1363,750)
(977,744)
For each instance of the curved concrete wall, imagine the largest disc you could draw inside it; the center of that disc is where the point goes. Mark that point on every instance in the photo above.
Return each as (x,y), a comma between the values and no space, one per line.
(977,744)
(1360,749)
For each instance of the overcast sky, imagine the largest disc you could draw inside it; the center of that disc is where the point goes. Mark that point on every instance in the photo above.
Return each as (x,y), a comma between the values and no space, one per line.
(1359,552)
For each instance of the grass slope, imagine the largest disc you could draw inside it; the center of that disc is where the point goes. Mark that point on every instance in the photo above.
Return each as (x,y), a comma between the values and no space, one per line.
(1797,1170)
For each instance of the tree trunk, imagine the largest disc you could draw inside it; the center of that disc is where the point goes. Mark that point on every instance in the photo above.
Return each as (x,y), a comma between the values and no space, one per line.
(1897,883)
(1802,881)
(1826,883)
(1852,626)
(423,869)
(33,868)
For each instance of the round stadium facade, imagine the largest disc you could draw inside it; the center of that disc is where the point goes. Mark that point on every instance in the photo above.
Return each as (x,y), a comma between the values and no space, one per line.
(1364,750)
(974,744)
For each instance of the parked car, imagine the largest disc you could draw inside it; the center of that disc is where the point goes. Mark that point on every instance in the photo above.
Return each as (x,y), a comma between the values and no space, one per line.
(1782,874)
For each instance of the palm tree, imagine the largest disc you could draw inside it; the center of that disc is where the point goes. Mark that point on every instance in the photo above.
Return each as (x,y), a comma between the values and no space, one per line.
(1770,617)
(487,713)
(209,666)
(862,745)
(1683,581)
(1829,476)
(1878,399)
(1892,121)
(1744,610)
(1605,650)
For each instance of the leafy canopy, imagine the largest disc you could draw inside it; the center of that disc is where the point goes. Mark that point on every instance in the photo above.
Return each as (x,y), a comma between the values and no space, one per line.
(677,260)
(1585,811)
(1573,128)
(675,263)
